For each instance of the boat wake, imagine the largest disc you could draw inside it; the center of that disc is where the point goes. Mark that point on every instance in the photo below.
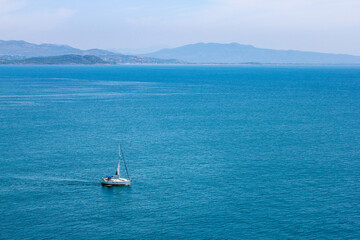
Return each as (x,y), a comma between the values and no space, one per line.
(49,181)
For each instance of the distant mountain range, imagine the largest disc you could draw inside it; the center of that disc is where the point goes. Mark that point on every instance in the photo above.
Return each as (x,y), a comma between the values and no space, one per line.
(235,53)
(70,59)
(21,52)
(22,48)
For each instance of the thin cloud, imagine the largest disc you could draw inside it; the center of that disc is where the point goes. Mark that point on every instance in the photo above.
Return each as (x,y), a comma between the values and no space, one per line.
(15,22)
(8,6)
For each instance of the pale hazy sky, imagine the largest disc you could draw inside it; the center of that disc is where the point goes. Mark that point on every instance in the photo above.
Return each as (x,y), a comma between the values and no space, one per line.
(314,25)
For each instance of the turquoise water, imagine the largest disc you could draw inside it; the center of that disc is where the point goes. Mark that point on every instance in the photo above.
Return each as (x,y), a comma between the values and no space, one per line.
(215,152)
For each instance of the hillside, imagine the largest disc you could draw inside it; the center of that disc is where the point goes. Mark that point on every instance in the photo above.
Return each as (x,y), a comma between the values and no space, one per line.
(70,59)
(22,48)
(124,59)
(238,53)
(21,52)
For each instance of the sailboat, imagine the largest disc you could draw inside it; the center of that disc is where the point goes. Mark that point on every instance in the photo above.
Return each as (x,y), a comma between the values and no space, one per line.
(117,180)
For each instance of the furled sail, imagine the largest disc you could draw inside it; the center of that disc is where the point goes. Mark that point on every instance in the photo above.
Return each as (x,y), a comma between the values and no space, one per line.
(118,167)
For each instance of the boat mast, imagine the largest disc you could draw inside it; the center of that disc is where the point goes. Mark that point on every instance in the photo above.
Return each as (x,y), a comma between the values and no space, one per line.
(118,167)
(122,154)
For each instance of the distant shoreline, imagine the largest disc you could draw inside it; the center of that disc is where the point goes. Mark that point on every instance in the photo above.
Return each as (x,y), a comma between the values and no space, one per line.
(181,64)
(24,53)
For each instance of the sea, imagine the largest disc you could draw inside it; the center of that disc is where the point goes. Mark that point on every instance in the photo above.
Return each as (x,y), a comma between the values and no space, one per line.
(214,152)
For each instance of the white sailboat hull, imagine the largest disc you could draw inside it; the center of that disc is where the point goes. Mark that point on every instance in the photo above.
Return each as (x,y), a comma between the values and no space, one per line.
(115,182)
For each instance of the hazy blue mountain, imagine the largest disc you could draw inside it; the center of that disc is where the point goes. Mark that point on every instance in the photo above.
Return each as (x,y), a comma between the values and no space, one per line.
(238,53)
(21,52)
(97,52)
(11,57)
(70,59)
(22,48)
(135,51)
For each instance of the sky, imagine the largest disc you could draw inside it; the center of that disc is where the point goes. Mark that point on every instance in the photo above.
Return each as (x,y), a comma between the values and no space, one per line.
(330,26)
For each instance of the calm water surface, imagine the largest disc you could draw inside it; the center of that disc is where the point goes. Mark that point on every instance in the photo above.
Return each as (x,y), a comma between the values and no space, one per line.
(215,152)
